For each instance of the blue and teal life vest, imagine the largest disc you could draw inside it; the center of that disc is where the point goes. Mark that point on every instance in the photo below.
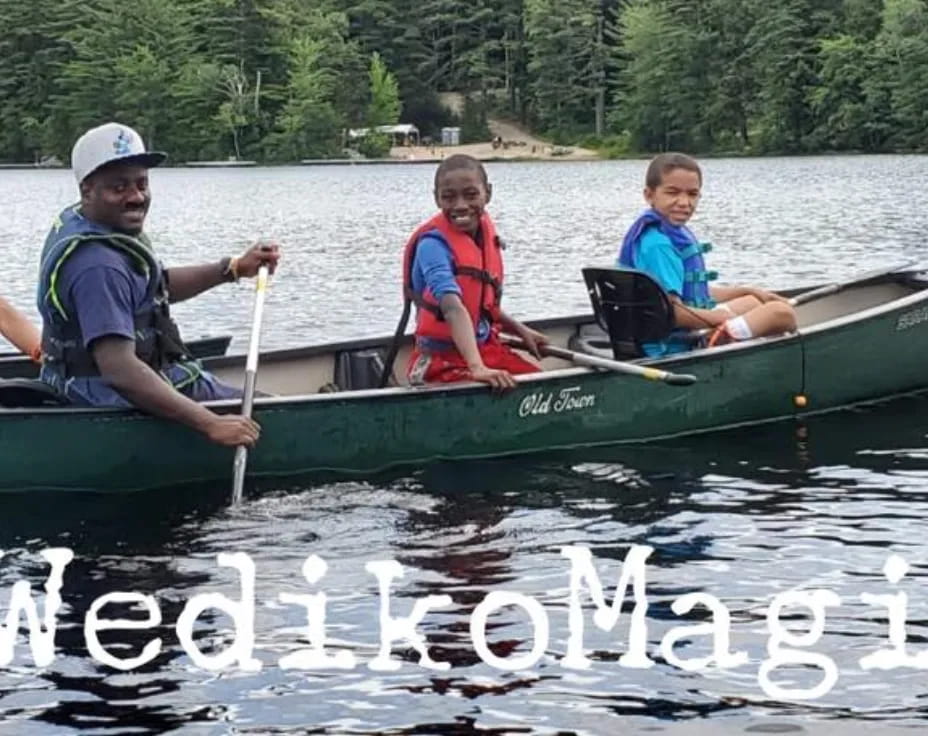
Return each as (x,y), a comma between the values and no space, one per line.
(696,277)
(157,340)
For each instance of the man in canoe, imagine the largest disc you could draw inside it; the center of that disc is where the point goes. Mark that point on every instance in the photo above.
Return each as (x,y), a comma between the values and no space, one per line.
(660,244)
(15,327)
(108,338)
(453,271)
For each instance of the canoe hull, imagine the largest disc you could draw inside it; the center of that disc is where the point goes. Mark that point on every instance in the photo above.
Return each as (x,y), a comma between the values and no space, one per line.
(357,434)
(861,360)
(877,354)
(362,432)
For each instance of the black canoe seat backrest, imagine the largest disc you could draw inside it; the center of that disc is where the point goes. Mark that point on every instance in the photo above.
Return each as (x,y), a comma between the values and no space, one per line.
(28,393)
(356,370)
(630,306)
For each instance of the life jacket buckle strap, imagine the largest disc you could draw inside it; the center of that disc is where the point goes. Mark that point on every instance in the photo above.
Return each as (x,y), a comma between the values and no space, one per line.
(700,276)
(480,275)
(428,306)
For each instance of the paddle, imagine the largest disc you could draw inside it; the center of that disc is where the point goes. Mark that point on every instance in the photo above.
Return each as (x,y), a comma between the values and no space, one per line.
(251,373)
(829,289)
(592,361)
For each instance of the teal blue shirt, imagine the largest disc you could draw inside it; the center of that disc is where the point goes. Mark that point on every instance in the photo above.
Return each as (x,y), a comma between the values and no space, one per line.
(658,258)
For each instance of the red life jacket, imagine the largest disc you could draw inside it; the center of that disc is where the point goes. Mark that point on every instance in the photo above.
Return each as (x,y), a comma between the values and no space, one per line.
(478,272)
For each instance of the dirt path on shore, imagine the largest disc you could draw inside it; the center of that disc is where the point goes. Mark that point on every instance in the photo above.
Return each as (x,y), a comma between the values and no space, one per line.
(512,142)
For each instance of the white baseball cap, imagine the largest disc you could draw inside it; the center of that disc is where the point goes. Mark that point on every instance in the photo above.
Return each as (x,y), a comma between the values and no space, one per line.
(108,143)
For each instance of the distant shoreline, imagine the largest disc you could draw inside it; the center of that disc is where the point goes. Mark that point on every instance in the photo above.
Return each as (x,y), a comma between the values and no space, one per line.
(315,162)
(434,160)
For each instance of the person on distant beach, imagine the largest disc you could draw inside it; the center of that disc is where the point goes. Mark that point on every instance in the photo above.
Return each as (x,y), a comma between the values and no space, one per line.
(453,271)
(108,338)
(660,244)
(15,327)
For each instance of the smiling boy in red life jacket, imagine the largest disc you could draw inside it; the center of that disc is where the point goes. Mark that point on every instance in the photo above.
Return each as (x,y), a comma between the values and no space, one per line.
(453,271)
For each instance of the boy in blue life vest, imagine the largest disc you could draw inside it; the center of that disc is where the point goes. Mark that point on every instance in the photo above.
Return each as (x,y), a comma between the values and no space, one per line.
(108,339)
(453,272)
(660,244)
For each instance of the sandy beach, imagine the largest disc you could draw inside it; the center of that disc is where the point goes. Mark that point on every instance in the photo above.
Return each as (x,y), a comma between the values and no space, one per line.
(516,144)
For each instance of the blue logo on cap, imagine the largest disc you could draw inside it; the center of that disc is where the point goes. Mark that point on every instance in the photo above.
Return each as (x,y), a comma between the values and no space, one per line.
(121,144)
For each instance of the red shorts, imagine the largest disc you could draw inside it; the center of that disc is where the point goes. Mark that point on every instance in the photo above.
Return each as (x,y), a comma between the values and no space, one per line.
(449,366)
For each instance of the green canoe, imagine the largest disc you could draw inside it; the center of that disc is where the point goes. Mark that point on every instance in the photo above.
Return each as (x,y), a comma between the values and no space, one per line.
(866,342)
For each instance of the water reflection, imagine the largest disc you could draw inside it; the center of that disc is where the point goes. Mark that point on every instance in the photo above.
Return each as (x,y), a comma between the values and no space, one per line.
(120,543)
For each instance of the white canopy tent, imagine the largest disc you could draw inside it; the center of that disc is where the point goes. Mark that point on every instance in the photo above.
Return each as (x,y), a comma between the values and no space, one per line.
(401,134)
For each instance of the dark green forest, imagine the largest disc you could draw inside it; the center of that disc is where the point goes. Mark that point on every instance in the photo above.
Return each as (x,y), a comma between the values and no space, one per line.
(281,80)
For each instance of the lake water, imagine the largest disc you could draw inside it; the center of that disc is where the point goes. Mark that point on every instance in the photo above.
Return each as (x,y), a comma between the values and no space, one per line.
(742,516)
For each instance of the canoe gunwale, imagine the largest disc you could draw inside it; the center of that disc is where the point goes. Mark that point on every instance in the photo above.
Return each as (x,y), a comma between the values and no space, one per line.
(879,310)
(366,343)
(339,396)
(17,365)
(203,340)
(700,356)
